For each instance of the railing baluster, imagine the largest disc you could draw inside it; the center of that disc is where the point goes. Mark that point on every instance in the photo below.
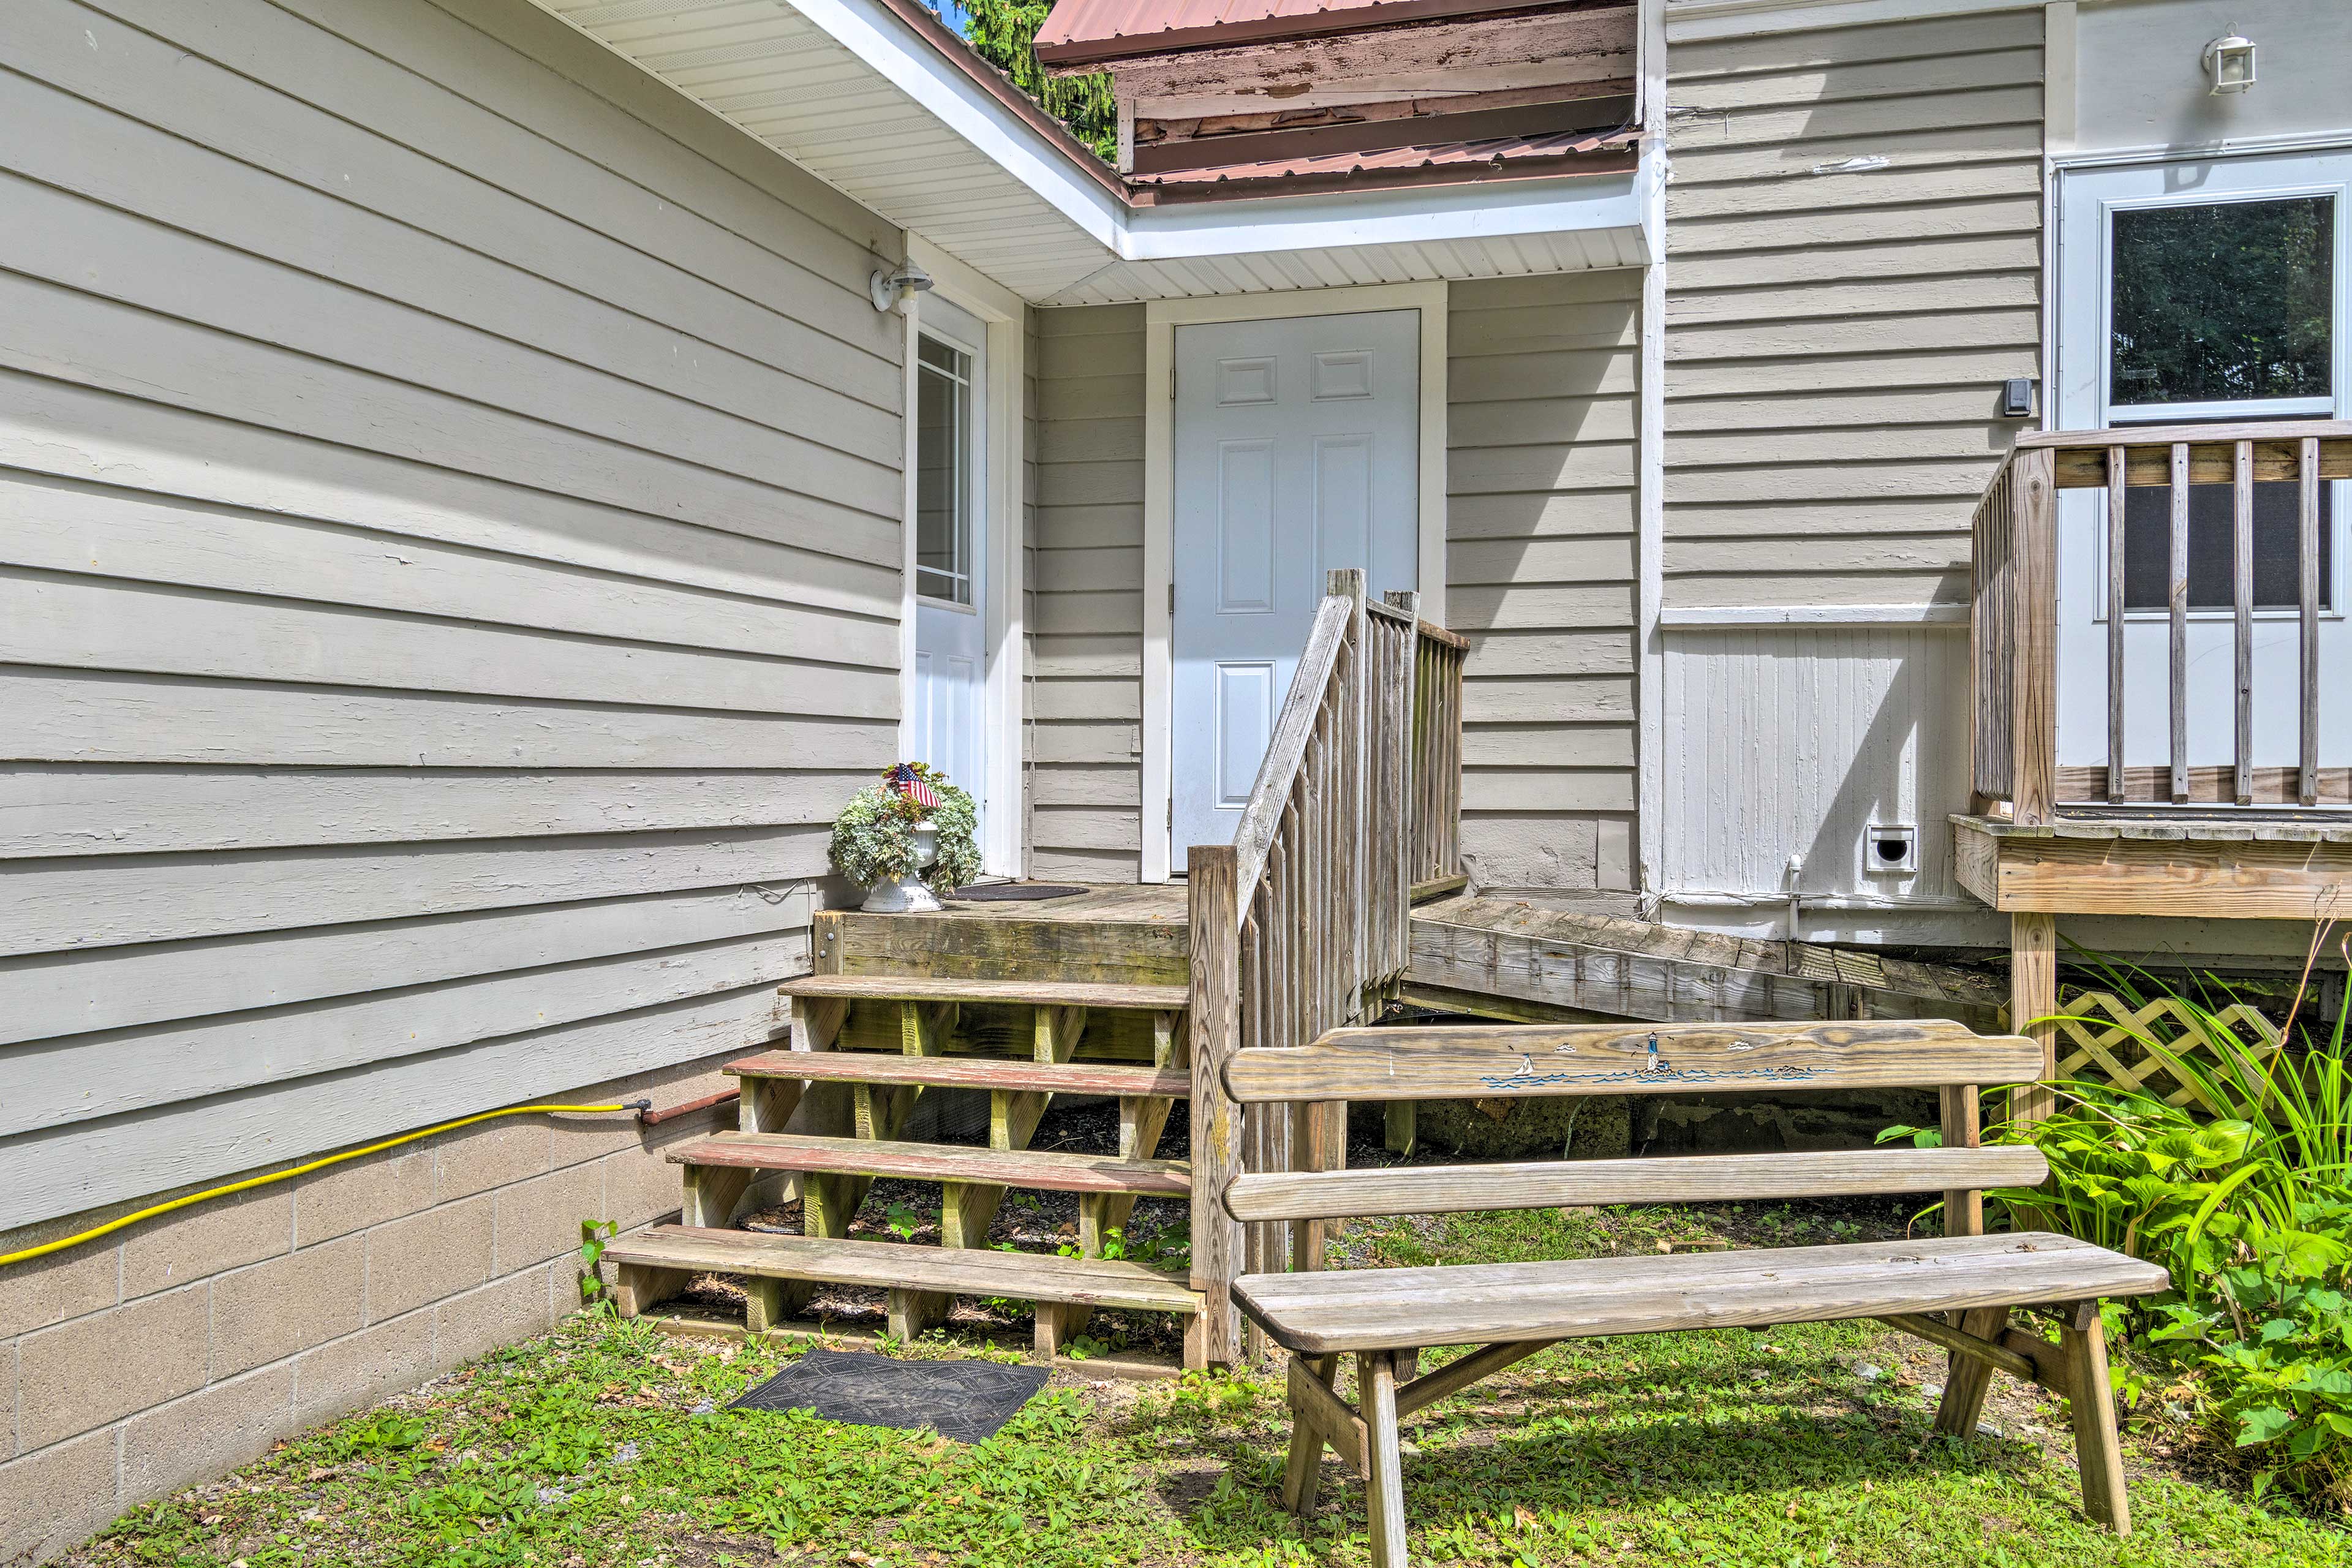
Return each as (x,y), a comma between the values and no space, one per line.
(2307,787)
(2242,574)
(2176,598)
(2119,495)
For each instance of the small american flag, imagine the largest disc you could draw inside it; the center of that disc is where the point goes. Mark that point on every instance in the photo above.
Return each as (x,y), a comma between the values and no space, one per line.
(908,782)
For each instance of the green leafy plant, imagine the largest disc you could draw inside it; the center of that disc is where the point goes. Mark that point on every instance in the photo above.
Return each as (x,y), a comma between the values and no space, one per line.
(873,836)
(904,1222)
(1004,33)
(595,1235)
(2250,1211)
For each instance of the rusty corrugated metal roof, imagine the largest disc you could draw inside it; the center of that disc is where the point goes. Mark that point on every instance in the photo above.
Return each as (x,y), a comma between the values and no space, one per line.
(1556,152)
(1080,31)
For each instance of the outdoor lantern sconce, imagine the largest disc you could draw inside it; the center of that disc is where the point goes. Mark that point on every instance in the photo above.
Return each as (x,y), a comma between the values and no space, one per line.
(897,290)
(2229,64)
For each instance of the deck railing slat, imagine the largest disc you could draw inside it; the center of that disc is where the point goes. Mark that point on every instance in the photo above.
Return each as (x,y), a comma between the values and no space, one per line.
(2307,582)
(2176,601)
(2241,577)
(2118,496)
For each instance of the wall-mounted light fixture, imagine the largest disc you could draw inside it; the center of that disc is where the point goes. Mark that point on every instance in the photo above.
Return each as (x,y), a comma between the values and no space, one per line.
(2229,64)
(897,290)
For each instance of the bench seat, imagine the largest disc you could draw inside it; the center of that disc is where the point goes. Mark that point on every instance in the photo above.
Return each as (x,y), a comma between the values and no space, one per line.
(1365,1310)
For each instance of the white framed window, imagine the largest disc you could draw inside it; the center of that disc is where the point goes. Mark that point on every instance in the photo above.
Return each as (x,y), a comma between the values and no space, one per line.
(2209,291)
(947,499)
(2223,309)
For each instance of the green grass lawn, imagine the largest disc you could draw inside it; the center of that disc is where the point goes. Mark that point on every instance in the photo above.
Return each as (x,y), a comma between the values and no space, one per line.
(608,1443)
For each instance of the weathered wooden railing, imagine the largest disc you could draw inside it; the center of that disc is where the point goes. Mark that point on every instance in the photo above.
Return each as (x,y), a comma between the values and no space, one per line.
(1437,659)
(1302,924)
(2013,626)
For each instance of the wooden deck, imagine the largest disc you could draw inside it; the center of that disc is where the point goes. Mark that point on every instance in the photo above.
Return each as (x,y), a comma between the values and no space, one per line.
(2226,864)
(1503,958)
(1496,958)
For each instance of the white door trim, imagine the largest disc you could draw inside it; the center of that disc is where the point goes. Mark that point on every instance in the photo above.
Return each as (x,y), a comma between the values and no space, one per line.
(1004,317)
(1161,320)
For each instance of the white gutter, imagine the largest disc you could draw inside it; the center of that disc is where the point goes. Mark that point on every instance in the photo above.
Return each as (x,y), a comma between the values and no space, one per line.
(1405,214)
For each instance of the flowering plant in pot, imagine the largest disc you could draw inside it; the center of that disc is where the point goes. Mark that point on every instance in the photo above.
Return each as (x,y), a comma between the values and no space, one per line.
(890,831)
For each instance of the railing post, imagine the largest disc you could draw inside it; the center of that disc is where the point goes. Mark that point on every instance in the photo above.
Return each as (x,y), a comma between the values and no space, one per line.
(2034,935)
(2033,711)
(1212,894)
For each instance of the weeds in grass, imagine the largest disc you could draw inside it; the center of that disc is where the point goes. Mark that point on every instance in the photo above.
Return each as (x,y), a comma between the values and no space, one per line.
(608,1445)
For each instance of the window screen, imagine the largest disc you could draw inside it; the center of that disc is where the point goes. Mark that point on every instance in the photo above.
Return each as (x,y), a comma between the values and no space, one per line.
(2148,547)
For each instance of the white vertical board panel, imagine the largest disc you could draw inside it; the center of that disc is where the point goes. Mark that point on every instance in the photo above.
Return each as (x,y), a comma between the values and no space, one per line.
(1796,741)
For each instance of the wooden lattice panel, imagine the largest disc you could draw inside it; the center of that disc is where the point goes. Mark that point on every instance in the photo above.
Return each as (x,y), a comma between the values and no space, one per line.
(2100,1039)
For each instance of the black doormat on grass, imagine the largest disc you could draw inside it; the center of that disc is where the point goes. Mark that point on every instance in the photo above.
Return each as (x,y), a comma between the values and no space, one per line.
(1012,892)
(964,1400)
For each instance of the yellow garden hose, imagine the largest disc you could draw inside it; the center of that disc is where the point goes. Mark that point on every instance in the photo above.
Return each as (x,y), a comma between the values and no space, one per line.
(29,1253)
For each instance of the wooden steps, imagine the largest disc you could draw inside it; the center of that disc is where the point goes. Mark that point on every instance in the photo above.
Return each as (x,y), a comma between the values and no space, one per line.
(951,988)
(901,1008)
(1092,1173)
(966,1072)
(652,1266)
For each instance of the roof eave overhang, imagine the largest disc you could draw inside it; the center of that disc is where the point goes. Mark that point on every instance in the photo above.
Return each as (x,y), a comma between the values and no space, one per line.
(908,48)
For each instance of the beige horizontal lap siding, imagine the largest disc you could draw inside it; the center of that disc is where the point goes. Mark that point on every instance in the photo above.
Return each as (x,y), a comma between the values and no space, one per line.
(449,567)
(1086,691)
(1854,241)
(1540,575)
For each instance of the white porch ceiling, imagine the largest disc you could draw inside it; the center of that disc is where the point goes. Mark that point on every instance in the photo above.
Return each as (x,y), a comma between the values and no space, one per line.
(860,97)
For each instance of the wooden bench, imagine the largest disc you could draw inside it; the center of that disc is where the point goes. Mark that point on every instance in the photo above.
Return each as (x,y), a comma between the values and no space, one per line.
(1955,1290)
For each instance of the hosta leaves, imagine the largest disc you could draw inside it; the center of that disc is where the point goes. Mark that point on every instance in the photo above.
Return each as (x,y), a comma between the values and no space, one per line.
(2260,1425)
(2307,1378)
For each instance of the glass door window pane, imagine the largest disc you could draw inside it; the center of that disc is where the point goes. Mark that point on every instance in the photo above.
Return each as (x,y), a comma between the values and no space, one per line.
(943,465)
(2223,301)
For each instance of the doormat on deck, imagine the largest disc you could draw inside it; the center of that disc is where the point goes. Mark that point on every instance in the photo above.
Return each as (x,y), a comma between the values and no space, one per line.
(963,1400)
(1012,892)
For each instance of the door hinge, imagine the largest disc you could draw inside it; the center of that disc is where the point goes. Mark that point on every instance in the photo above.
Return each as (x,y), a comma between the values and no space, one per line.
(1172,384)
(1171,599)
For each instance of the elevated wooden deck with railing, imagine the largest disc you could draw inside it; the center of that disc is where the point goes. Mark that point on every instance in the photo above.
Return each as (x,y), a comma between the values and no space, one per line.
(2048,835)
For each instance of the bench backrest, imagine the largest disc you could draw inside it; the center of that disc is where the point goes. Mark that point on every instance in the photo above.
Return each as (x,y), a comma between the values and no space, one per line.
(1486,1061)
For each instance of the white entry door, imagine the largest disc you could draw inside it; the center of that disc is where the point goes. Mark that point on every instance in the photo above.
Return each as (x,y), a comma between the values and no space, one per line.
(2205,291)
(950,703)
(1296,452)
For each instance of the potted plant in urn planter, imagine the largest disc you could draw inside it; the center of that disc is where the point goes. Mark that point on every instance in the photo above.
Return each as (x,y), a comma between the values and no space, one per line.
(889,831)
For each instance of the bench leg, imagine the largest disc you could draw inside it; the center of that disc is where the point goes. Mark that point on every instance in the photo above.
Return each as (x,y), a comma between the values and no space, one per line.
(1965,1388)
(2098,1453)
(1376,1399)
(1302,1473)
